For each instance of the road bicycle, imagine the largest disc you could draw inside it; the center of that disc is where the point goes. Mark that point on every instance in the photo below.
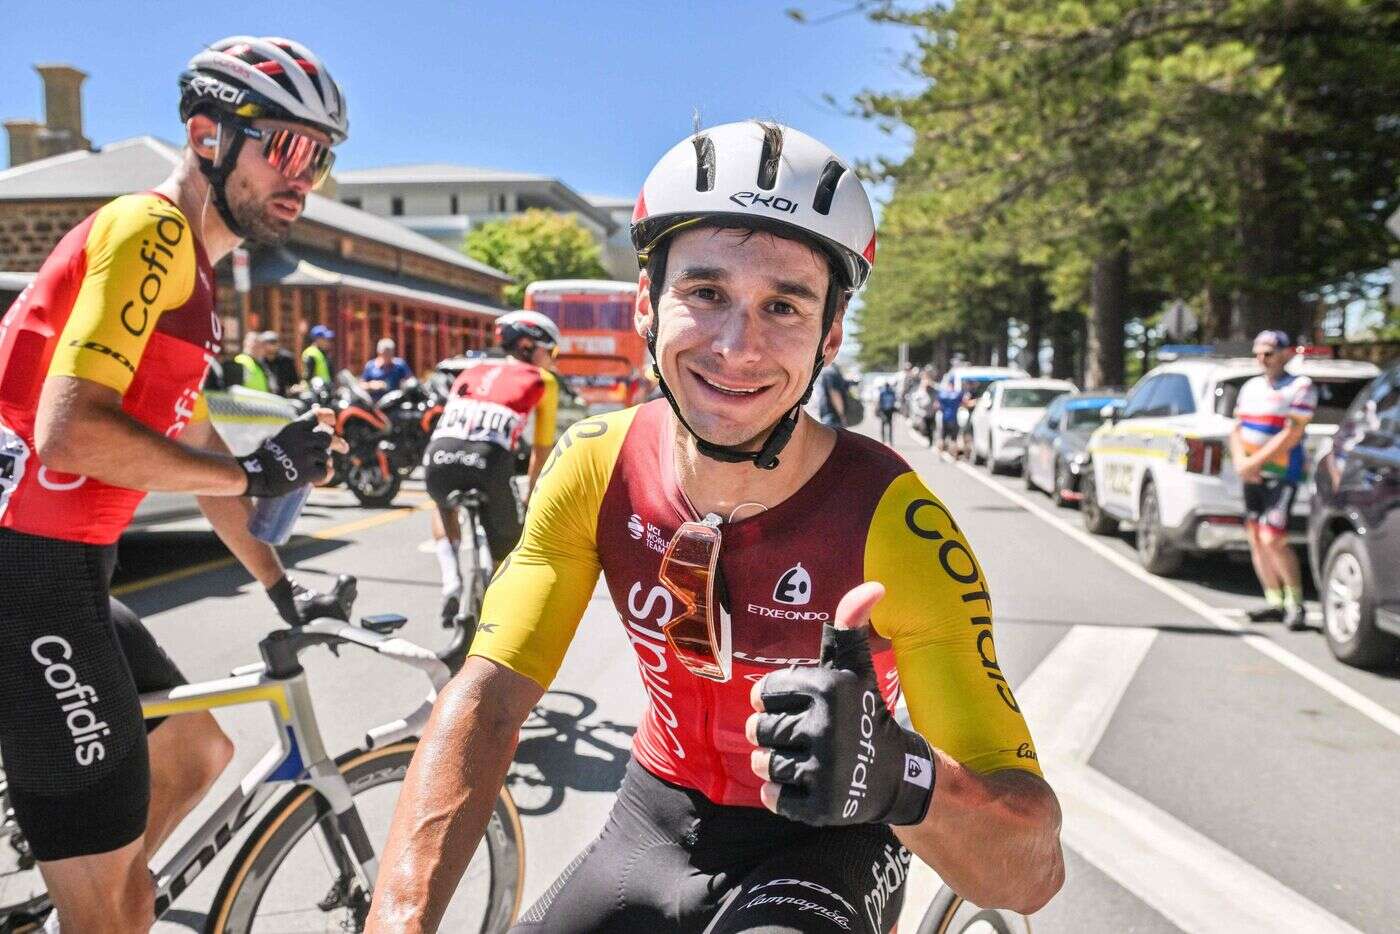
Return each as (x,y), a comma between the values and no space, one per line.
(950,913)
(310,861)
(475,557)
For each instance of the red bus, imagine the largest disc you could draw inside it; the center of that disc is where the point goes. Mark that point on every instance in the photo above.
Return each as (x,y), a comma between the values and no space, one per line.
(602,357)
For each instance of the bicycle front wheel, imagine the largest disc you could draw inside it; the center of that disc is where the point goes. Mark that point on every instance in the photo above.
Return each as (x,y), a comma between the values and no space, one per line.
(285,879)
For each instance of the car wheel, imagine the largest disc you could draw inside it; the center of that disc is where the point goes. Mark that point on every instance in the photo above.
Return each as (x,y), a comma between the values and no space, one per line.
(1026,471)
(993,465)
(1063,480)
(1095,519)
(1154,550)
(1349,607)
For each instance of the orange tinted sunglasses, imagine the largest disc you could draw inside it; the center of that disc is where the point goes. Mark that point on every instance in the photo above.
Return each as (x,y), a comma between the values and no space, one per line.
(700,633)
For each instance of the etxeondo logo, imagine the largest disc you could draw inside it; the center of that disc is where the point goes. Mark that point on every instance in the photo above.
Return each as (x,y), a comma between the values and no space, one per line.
(794,587)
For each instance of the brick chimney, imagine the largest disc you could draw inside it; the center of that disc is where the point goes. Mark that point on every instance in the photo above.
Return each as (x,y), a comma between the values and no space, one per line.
(63,108)
(24,140)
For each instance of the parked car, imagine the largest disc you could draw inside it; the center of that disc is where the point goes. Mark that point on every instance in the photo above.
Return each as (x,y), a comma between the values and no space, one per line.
(1163,463)
(1057,451)
(1005,415)
(1354,529)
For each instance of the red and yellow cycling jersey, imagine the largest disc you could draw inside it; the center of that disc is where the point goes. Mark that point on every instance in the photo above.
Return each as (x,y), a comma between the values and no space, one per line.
(608,500)
(126,300)
(492,399)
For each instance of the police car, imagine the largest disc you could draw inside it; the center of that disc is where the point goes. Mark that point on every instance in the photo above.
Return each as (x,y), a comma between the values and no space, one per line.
(1161,462)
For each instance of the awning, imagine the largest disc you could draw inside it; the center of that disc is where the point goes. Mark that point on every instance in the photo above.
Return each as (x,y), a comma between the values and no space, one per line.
(284,267)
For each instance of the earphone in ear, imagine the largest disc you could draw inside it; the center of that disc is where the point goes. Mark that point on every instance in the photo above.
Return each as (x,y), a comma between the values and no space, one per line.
(209,141)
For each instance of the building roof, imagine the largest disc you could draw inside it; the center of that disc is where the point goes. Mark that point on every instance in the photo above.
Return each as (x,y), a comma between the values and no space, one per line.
(612,202)
(143,161)
(354,181)
(432,173)
(288,267)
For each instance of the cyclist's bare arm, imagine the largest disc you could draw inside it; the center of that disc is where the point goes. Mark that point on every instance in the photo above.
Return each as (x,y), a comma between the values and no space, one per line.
(538,456)
(448,794)
(229,514)
(80,428)
(994,838)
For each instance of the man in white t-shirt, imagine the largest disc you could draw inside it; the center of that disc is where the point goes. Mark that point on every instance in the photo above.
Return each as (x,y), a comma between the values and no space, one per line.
(1266,447)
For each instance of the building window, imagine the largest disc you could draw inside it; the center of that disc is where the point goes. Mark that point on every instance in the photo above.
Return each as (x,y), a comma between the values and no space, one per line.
(396,206)
(454,205)
(353,202)
(501,203)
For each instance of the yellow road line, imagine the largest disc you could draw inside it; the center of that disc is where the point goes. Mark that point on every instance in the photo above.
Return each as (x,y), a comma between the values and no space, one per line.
(300,540)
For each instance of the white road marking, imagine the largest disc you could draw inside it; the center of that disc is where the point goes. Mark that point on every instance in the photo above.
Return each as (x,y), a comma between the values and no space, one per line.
(1188,878)
(1070,699)
(1348,695)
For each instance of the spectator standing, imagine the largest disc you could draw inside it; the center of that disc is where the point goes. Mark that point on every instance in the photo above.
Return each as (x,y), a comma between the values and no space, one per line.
(951,398)
(282,363)
(1266,447)
(252,364)
(886,404)
(384,372)
(316,361)
(831,396)
(923,406)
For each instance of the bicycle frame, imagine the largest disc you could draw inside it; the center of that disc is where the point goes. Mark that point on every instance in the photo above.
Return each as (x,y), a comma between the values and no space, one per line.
(299,758)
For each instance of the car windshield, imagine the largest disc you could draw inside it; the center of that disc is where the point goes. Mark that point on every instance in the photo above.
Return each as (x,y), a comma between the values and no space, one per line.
(1025,397)
(1334,397)
(977,385)
(1086,417)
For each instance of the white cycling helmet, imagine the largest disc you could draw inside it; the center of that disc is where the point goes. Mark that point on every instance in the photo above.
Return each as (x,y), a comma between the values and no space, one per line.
(760,175)
(512,326)
(250,77)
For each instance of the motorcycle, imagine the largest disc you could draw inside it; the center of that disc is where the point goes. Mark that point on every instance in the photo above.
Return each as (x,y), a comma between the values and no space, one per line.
(412,411)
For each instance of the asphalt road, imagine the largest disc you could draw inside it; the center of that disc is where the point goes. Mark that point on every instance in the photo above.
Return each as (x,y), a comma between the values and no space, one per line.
(1213,777)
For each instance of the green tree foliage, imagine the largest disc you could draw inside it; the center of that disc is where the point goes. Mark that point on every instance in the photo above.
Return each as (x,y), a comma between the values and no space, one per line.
(1239,152)
(537,244)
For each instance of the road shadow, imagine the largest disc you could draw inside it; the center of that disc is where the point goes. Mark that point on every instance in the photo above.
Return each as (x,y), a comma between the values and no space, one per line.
(142,556)
(193,920)
(559,751)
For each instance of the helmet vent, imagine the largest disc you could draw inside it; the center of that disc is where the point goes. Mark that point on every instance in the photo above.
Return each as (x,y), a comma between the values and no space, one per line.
(826,187)
(768,159)
(704,163)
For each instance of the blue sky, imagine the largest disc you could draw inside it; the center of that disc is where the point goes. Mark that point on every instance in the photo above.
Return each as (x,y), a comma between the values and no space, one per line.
(591,92)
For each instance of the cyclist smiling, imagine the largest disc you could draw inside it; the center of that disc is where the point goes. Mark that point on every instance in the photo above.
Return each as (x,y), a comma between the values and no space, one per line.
(101,363)
(770,787)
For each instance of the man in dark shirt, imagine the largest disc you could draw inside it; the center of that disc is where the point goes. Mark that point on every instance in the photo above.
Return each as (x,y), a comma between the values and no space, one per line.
(831,396)
(282,364)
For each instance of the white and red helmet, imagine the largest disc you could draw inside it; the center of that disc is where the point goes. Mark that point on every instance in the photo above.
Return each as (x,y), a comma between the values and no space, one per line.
(760,175)
(514,325)
(251,77)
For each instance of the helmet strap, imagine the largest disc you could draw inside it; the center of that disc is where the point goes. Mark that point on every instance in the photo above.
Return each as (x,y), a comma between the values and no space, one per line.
(218,172)
(766,457)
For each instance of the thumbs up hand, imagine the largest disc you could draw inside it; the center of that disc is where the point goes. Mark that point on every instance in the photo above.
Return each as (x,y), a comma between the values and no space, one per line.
(828,750)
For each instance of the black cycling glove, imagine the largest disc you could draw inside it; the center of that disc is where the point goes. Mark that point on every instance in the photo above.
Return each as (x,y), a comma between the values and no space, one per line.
(298,605)
(297,455)
(838,755)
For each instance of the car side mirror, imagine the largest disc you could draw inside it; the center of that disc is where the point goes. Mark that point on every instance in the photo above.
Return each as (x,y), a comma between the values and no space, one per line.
(1111,413)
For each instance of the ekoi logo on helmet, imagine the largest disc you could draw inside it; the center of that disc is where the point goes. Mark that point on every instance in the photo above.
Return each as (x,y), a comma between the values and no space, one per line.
(750,199)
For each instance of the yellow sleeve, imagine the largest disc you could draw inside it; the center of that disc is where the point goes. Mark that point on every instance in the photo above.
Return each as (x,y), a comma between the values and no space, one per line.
(547,411)
(140,263)
(541,590)
(938,614)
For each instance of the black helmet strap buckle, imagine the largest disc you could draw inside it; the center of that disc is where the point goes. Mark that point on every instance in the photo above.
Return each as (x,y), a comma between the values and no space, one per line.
(766,457)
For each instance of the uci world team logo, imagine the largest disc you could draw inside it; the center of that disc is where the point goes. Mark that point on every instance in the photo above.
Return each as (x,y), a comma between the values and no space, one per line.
(635,527)
(794,587)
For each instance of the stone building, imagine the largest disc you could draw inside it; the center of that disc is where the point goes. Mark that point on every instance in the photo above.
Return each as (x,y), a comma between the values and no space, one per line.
(62,129)
(364,276)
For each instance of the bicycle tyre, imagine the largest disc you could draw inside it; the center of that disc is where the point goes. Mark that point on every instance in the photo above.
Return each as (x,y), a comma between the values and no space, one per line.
(297,813)
(950,913)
